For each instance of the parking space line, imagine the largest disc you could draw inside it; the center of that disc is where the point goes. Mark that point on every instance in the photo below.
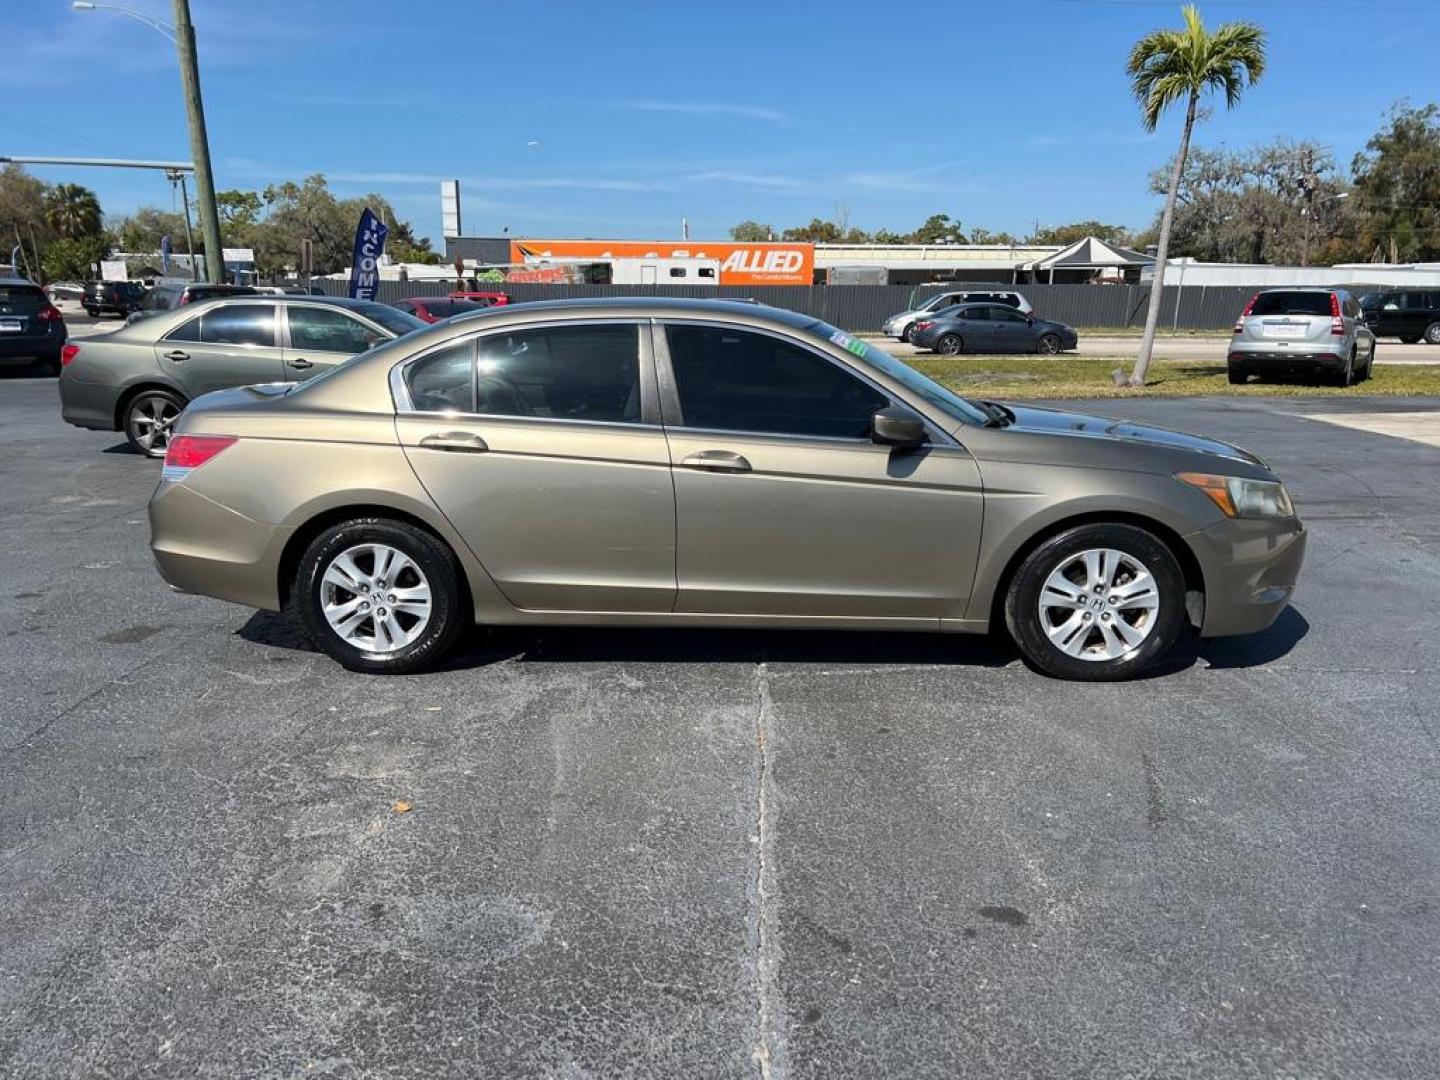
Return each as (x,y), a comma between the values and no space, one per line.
(1421,427)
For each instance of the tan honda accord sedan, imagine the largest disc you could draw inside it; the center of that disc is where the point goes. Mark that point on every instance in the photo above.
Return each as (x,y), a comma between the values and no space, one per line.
(705,463)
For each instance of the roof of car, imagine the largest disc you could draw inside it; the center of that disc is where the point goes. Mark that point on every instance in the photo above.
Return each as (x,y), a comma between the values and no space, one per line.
(16,281)
(653,305)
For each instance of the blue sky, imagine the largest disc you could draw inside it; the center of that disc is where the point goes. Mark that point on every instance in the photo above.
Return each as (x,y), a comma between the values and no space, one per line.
(576,118)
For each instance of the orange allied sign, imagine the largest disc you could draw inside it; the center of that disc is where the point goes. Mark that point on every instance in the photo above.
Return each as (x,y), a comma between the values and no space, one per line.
(740,263)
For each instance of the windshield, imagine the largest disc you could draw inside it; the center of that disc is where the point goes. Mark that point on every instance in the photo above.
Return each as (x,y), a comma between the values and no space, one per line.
(947,401)
(396,321)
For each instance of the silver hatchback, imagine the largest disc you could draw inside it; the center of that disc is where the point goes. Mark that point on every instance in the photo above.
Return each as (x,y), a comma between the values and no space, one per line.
(1302,332)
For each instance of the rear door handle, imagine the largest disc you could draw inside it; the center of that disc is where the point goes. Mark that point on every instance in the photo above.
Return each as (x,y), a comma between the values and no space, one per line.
(716,461)
(177,356)
(457,442)
(301,363)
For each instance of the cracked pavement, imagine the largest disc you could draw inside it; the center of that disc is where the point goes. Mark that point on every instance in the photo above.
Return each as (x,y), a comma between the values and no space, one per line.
(718,854)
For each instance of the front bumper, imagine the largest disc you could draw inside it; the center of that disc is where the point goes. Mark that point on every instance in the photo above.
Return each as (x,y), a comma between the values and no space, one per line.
(1250,568)
(203,547)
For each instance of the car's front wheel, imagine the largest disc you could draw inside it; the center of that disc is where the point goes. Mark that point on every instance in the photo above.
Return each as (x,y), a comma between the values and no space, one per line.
(380,596)
(148,418)
(908,334)
(1097,602)
(950,345)
(1432,333)
(1048,345)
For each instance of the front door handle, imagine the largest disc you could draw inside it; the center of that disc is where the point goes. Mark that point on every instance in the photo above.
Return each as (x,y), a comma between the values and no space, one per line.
(457,442)
(301,363)
(716,461)
(177,356)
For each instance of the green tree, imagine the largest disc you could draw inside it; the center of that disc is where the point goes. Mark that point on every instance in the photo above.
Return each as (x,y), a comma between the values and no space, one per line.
(1079,230)
(819,231)
(938,229)
(22,216)
(1397,182)
(73,257)
(142,230)
(72,211)
(238,209)
(751,232)
(1168,66)
(985,236)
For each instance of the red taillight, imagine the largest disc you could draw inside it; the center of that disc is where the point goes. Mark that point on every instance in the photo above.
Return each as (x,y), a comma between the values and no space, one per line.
(1337,324)
(68,353)
(188,452)
(1240,322)
(50,314)
(924,324)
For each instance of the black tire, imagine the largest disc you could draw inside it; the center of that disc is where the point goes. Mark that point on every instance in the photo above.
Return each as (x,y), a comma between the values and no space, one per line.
(1346,378)
(1022,603)
(1369,364)
(1048,345)
(950,345)
(144,413)
(1410,340)
(1238,376)
(908,334)
(1432,333)
(449,607)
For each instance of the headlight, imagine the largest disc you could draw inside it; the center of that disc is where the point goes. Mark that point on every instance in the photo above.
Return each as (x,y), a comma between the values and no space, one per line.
(1242,498)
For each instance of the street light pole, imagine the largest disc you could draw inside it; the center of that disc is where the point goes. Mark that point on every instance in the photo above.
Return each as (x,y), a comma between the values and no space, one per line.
(199,142)
(183,34)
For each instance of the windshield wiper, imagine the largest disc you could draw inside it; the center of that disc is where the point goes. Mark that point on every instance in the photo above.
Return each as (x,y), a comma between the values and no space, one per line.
(999,415)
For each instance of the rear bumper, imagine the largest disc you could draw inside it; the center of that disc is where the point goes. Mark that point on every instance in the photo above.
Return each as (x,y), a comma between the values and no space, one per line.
(31,346)
(87,404)
(1250,568)
(202,547)
(1286,361)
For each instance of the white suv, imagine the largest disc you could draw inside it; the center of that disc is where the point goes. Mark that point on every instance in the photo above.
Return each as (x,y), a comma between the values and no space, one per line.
(899,326)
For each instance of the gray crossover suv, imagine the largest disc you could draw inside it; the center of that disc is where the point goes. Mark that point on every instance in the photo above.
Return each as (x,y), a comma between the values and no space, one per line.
(139,379)
(1314,332)
(658,462)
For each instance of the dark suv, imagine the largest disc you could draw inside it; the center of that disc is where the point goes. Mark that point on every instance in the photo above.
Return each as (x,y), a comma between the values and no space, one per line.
(112,297)
(30,326)
(164,297)
(1412,315)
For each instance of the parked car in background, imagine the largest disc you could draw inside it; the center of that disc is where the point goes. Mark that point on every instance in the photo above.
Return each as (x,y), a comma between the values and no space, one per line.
(486,299)
(898,326)
(432,309)
(1302,332)
(31,328)
(167,297)
(1411,315)
(990,328)
(64,290)
(139,379)
(112,298)
(637,461)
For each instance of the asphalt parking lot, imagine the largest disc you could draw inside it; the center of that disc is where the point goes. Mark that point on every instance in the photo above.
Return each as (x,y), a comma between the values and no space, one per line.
(697,854)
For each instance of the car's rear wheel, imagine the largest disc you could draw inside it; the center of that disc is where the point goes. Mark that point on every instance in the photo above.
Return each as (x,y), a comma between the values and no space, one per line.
(1048,345)
(1238,376)
(1432,333)
(1097,603)
(148,418)
(1369,363)
(380,596)
(1412,340)
(950,345)
(1346,377)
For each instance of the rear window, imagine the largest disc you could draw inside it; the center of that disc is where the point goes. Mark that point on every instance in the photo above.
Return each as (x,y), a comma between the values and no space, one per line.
(1292,303)
(396,321)
(28,297)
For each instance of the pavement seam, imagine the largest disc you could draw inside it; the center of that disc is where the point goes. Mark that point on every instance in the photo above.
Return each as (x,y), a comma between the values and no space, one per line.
(770,1003)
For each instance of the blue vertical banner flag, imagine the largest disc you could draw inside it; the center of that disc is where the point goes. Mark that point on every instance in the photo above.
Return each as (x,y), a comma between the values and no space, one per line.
(165,254)
(365,266)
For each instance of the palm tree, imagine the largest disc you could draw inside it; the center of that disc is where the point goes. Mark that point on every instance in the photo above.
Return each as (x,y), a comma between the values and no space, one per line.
(1166,66)
(72,210)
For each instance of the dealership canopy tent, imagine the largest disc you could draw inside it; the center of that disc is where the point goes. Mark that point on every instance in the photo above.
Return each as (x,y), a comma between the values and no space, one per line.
(1090,259)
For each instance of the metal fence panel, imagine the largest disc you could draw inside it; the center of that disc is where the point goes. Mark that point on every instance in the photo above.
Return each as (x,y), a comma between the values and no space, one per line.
(861,308)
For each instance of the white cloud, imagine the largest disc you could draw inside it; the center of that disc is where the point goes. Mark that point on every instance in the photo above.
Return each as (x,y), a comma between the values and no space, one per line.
(705,108)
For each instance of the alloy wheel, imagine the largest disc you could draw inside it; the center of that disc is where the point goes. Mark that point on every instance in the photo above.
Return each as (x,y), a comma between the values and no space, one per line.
(949,345)
(1048,345)
(150,420)
(1099,604)
(375,597)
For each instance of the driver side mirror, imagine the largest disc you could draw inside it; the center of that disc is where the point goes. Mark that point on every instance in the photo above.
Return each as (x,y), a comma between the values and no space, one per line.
(896,425)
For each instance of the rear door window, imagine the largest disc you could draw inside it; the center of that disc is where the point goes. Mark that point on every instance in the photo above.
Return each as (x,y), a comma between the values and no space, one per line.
(975,314)
(588,372)
(444,381)
(239,324)
(1292,303)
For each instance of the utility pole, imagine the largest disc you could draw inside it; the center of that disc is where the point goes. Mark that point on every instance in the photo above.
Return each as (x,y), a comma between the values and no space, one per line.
(199,142)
